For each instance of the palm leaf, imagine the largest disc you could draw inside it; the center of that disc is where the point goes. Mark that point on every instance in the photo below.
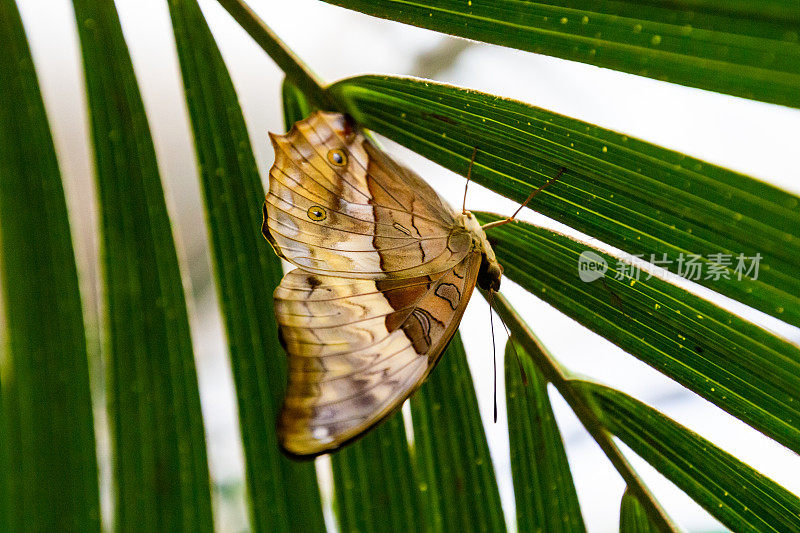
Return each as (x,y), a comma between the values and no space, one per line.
(283,494)
(160,466)
(543,488)
(746,370)
(632,516)
(377,469)
(636,196)
(734,493)
(453,462)
(559,376)
(47,452)
(639,197)
(748,49)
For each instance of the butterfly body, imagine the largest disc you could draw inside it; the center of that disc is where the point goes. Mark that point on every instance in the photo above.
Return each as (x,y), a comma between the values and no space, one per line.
(385,269)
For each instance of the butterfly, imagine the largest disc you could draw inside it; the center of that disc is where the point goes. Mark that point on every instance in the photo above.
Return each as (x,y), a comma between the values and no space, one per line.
(385,269)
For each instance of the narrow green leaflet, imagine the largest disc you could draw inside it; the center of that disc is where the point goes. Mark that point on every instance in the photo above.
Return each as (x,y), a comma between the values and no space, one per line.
(290,63)
(631,194)
(159,464)
(283,494)
(375,489)
(748,49)
(558,376)
(734,493)
(632,516)
(295,105)
(47,439)
(742,368)
(543,488)
(455,470)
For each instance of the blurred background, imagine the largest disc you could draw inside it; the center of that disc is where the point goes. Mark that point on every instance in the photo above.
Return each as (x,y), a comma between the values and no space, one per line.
(750,137)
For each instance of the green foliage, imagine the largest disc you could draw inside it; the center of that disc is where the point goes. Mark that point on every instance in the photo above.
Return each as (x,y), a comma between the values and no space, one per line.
(639,197)
(543,488)
(159,463)
(377,469)
(739,496)
(632,516)
(744,48)
(453,462)
(283,494)
(636,196)
(556,374)
(48,469)
(746,370)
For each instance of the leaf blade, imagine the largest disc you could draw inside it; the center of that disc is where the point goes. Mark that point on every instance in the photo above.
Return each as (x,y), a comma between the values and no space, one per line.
(740,48)
(543,487)
(283,494)
(632,516)
(159,464)
(736,494)
(633,195)
(377,469)
(747,371)
(452,456)
(47,408)
(558,376)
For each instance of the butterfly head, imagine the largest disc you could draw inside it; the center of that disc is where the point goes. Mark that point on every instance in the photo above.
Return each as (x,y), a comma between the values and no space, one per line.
(490,274)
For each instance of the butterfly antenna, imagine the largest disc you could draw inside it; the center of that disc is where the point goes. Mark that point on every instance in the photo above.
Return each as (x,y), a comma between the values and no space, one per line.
(516,353)
(528,199)
(494,352)
(469,175)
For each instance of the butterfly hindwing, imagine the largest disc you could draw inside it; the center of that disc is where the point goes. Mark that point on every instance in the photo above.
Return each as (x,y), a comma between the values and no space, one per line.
(358,348)
(339,206)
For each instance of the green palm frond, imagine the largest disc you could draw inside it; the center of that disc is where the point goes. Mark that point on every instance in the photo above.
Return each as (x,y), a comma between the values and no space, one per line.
(431,467)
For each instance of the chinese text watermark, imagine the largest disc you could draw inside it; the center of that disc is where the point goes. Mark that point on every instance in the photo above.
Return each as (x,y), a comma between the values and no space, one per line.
(694,267)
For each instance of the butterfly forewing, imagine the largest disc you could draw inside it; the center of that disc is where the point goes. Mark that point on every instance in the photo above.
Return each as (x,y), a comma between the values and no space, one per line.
(338,206)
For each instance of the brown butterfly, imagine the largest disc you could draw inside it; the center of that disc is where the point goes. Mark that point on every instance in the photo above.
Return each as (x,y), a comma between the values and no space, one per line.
(385,271)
